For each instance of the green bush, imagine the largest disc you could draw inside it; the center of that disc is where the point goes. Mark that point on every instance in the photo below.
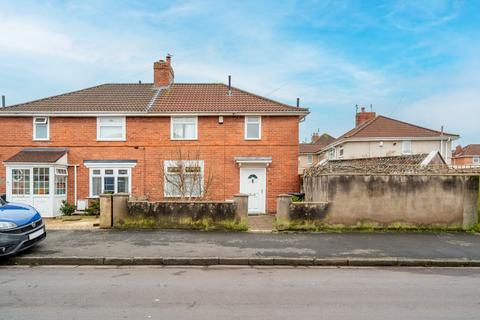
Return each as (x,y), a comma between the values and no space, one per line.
(67,209)
(94,209)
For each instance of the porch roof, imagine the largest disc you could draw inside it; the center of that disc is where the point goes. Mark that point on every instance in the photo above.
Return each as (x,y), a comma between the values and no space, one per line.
(38,155)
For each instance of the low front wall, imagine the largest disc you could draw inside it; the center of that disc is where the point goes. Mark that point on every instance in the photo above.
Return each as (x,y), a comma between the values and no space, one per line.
(205,215)
(386,201)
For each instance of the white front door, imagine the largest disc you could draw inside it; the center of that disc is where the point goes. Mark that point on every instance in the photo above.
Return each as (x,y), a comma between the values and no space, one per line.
(253,183)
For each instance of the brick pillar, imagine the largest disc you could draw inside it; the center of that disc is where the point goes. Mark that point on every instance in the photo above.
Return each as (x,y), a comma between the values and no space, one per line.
(106,211)
(241,201)
(120,207)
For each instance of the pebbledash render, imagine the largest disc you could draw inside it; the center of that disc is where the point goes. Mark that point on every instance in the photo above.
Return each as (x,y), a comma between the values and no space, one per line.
(126,137)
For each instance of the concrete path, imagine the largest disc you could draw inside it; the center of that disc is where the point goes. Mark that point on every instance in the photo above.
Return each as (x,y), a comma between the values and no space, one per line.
(46,293)
(271,248)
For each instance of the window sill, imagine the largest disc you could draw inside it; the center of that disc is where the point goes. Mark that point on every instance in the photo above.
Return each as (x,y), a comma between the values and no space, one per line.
(41,139)
(193,139)
(253,139)
(111,140)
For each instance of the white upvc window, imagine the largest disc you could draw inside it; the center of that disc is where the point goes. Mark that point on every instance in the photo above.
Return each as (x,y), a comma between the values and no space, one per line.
(61,176)
(111,128)
(21,182)
(183,178)
(476,160)
(184,128)
(309,158)
(41,128)
(406,147)
(110,180)
(253,128)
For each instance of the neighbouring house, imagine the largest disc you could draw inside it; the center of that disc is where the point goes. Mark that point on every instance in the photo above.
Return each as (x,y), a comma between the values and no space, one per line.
(309,153)
(143,138)
(467,156)
(379,136)
(431,162)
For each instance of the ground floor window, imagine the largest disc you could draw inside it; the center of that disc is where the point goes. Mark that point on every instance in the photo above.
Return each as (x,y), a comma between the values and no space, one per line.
(183,178)
(21,182)
(61,176)
(109,180)
(41,181)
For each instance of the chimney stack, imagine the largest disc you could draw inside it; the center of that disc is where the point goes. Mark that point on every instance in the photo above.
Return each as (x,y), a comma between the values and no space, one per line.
(163,72)
(363,116)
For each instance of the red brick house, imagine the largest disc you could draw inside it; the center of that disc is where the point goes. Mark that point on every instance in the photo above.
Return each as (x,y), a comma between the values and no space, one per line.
(123,138)
(467,156)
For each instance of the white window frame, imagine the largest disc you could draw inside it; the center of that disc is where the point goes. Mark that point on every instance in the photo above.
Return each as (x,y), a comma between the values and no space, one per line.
(185,163)
(47,123)
(172,120)
(259,127)
(409,144)
(476,160)
(115,124)
(331,153)
(309,158)
(63,174)
(102,175)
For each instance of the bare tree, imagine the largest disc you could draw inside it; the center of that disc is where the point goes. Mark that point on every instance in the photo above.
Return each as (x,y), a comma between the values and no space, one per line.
(186,177)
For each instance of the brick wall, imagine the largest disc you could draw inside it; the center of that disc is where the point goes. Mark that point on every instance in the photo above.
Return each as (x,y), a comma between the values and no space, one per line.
(148,142)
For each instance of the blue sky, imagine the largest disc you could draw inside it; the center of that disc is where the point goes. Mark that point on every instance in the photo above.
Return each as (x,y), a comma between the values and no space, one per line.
(417,61)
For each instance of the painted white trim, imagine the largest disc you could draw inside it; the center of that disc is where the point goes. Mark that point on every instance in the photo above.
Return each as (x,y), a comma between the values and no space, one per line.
(311,158)
(264,185)
(103,175)
(428,158)
(183,139)
(112,165)
(35,129)
(259,127)
(124,128)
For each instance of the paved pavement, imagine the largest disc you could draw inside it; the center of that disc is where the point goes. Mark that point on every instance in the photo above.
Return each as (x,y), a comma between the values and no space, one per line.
(114,243)
(238,293)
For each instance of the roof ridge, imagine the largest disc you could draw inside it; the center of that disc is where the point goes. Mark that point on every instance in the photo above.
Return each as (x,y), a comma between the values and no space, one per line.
(55,96)
(417,126)
(267,99)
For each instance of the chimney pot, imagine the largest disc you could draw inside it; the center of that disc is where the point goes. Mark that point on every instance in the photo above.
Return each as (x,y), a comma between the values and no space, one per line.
(3,101)
(298,102)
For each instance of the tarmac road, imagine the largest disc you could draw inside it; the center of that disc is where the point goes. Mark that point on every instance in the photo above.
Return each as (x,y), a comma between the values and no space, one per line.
(238,293)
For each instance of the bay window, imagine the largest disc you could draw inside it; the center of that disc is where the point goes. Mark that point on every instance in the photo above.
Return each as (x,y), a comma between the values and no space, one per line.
(61,176)
(111,128)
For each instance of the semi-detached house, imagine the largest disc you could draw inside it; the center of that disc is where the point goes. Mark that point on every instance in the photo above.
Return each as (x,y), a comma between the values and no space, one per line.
(115,138)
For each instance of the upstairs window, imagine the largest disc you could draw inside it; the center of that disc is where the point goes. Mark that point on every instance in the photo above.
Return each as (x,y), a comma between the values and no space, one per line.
(476,160)
(340,152)
(41,129)
(183,128)
(253,128)
(406,147)
(111,129)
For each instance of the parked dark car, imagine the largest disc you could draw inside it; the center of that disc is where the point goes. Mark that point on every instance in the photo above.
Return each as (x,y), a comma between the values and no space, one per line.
(21,227)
